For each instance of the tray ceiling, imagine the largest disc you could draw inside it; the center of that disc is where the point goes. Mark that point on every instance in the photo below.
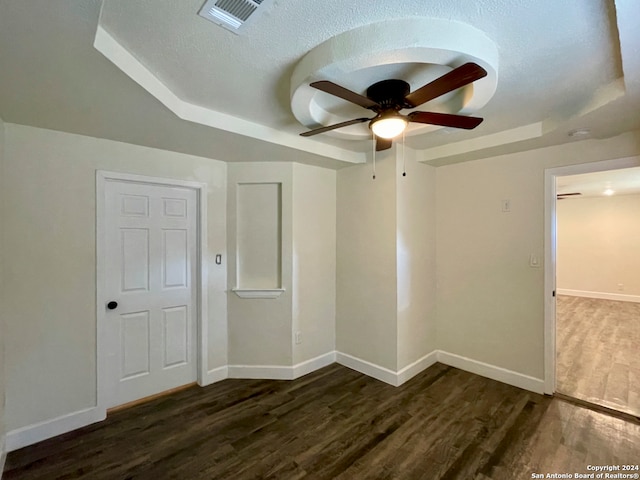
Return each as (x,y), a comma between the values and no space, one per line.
(562,66)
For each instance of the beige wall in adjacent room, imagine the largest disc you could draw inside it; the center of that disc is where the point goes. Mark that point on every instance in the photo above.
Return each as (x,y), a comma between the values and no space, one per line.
(490,301)
(314,261)
(2,302)
(260,329)
(416,259)
(366,262)
(49,259)
(598,244)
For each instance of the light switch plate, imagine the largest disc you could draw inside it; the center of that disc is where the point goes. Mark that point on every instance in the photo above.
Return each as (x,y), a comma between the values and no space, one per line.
(534,261)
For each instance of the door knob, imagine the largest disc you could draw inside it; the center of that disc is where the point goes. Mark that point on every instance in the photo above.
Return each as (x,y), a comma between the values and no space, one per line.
(112,305)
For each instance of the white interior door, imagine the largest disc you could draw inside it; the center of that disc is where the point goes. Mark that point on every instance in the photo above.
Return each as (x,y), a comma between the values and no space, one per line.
(151,249)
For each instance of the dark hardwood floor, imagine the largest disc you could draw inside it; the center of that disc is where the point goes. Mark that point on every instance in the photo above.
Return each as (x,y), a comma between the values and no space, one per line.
(337,423)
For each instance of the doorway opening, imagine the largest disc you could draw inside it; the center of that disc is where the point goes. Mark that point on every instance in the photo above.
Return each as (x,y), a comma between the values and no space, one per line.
(592,304)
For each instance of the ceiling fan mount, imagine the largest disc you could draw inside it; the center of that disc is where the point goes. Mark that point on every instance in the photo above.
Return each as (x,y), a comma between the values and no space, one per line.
(388,97)
(389,94)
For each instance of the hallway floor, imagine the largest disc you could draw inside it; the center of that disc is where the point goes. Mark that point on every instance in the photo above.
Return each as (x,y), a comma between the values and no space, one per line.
(598,345)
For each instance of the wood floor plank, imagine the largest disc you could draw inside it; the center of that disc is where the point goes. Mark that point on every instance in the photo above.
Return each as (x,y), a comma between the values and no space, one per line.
(337,423)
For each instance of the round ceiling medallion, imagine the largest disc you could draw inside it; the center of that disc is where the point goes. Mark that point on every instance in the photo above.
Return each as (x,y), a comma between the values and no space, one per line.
(416,50)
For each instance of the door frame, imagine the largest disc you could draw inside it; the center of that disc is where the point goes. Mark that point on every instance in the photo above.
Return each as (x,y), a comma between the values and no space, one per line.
(202,344)
(550,253)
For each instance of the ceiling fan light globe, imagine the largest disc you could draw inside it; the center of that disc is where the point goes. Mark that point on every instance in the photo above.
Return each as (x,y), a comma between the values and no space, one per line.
(389,127)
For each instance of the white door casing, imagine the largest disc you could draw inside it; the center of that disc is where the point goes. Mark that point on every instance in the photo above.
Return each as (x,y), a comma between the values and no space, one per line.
(150,263)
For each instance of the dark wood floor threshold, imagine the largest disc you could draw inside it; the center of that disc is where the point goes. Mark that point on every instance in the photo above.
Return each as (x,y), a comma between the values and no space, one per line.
(140,401)
(598,408)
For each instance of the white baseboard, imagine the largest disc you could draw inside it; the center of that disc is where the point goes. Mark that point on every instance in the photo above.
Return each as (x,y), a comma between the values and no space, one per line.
(410,371)
(215,375)
(308,366)
(491,371)
(278,372)
(265,372)
(467,364)
(601,295)
(384,374)
(370,369)
(37,432)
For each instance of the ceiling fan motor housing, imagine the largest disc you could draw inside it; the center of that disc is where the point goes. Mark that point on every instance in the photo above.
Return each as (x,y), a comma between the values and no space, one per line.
(389,93)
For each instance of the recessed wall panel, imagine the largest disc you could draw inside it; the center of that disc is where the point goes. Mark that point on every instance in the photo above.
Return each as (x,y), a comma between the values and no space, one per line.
(259,244)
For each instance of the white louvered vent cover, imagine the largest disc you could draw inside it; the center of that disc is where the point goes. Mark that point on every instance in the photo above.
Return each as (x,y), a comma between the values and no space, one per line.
(233,15)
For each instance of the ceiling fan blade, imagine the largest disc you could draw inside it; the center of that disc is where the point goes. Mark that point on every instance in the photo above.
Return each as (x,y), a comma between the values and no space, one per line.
(383,143)
(333,127)
(348,95)
(459,77)
(445,119)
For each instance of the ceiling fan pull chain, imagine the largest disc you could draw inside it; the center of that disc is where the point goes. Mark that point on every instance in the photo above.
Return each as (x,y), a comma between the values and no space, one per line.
(374,157)
(404,163)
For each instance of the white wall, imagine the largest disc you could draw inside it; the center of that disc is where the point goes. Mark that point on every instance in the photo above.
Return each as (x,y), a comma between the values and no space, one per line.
(314,261)
(260,330)
(2,302)
(416,260)
(49,262)
(490,302)
(598,244)
(386,283)
(366,302)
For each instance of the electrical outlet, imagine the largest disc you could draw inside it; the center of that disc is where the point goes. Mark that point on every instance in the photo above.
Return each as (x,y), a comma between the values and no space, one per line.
(621,287)
(506,206)
(298,338)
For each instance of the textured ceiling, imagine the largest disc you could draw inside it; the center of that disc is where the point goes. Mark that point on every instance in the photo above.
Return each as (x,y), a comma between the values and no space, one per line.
(562,65)
(552,57)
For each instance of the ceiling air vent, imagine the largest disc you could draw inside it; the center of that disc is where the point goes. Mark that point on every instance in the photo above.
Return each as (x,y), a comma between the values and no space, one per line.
(233,15)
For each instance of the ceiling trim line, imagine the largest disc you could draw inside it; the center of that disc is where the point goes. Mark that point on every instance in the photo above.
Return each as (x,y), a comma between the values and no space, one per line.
(131,66)
(519,134)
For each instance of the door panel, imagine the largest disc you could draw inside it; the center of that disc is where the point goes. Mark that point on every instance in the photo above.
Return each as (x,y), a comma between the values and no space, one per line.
(176,332)
(151,246)
(134,334)
(175,207)
(134,259)
(176,258)
(135,205)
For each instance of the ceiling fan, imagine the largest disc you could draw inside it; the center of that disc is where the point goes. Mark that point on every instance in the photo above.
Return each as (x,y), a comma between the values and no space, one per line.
(388,97)
(562,196)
